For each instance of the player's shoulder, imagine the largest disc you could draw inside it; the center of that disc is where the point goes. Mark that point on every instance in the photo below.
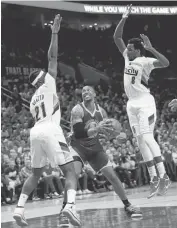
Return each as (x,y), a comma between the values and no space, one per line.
(77,109)
(147,60)
(49,79)
(103,111)
(125,53)
(100,108)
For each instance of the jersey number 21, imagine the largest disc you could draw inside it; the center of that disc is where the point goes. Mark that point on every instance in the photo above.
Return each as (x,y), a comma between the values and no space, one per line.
(37,109)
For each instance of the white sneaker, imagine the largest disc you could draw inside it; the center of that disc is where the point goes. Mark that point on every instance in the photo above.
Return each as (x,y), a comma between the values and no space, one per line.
(19,216)
(56,194)
(86,191)
(79,192)
(70,212)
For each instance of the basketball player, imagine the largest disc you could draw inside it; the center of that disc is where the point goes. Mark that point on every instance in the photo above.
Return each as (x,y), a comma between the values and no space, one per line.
(46,137)
(86,124)
(141,108)
(173,105)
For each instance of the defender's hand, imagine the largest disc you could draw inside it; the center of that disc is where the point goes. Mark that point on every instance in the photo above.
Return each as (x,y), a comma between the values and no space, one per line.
(146,42)
(56,24)
(127,12)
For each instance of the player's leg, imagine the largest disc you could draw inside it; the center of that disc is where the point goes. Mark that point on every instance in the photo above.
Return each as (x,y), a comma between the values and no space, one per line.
(78,168)
(135,125)
(60,154)
(101,163)
(147,118)
(63,220)
(148,158)
(38,161)
(78,164)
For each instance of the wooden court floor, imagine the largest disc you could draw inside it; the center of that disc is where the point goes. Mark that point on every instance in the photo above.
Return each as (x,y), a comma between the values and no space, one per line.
(103,210)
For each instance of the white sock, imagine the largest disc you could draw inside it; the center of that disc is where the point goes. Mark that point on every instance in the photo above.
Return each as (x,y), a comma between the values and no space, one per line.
(152,172)
(22,200)
(71,195)
(161,169)
(147,156)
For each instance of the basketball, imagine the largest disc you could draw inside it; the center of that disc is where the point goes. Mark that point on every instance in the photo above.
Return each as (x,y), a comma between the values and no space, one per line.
(115,128)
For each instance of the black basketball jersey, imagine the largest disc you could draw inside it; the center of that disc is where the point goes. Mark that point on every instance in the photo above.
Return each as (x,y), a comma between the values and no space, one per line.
(89,118)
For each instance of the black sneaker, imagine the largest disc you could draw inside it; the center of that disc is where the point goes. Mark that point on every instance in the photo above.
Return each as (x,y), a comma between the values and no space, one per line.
(154,185)
(133,212)
(164,185)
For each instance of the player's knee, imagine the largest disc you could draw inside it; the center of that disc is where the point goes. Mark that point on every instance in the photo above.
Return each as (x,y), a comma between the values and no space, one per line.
(68,169)
(37,172)
(77,167)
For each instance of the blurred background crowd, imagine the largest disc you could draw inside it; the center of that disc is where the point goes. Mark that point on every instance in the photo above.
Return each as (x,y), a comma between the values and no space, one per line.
(87,55)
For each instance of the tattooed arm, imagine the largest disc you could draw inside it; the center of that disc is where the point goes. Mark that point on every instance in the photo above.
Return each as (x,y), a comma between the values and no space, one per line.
(77,114)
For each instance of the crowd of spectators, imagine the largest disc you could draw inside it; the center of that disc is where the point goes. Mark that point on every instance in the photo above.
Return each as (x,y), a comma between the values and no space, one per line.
(125,156)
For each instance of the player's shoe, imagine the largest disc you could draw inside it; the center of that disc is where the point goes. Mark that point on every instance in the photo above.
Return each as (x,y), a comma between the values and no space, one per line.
(70,212)
(154,185)
(63,221)
(164,185)
(19,216)
(86,191)
(133,212)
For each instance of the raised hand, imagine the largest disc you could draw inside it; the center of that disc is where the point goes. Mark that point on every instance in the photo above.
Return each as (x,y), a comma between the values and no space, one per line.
(173,105)
(146,42)
(56,24)
(127,12)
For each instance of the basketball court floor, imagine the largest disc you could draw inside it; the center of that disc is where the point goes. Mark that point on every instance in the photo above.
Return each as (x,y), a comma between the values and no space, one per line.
(103,210)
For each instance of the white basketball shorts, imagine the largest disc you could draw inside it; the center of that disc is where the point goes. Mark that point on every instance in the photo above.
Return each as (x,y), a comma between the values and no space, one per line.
(142,114)
(48,142)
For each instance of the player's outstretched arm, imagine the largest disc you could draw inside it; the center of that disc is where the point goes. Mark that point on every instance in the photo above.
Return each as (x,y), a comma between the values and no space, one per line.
(119,31)
(53,48)
(161,61)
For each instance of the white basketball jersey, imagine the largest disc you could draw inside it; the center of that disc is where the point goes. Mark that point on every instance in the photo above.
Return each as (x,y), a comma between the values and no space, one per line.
(136,75)
(44,105)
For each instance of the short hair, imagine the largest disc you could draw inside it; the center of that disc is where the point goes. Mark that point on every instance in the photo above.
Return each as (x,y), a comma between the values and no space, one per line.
(137,42)
(33,75)
(90,87)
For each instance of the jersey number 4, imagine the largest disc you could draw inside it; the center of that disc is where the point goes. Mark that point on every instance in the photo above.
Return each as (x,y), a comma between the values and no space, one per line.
(42,107)
(133,80)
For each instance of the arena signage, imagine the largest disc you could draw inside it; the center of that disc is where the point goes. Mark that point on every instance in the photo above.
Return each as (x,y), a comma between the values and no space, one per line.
(135,9)
(19,70)
(101,9)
